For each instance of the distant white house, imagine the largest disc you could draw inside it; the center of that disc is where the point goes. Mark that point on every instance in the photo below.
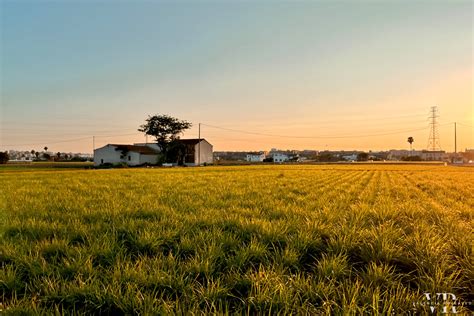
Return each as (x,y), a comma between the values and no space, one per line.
(433,155)
(280,157)
(255,157)
(197,152)
(351,157)
(394,154)
(428,155)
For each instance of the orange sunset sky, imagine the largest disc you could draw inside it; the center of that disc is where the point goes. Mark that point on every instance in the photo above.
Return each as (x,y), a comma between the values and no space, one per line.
(316,75)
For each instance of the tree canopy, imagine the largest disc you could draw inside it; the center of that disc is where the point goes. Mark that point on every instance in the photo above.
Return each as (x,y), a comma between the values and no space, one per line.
(362,156)
(166,130)
(4,157)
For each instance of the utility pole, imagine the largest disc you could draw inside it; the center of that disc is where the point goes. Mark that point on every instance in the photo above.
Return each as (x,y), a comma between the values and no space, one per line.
(93,146)
(146,139)
(199,145)
(455,140)
(433,140)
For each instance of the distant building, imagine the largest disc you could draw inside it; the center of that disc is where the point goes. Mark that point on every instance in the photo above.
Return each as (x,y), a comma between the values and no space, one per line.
(399,154)
(433,155)
(427,155)
(352,157)
(280,157)
(230,155)
(255,157)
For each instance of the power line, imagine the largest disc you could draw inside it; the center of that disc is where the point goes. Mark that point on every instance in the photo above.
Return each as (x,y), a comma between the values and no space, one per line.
(69,140)
(466,125)
(313,137)
(53,130)
(107,136)
(250,133)
(52,134)
(54,142)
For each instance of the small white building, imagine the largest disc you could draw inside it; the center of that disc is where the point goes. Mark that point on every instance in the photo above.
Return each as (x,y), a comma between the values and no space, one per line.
(395,154)
(433,155)
(197,152)
(280,157)
(255,157)
(132,155)
(427,155)
(352,157)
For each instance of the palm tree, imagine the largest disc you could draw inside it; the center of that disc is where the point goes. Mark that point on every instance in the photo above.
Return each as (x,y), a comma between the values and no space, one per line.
(45,148)
(411,140)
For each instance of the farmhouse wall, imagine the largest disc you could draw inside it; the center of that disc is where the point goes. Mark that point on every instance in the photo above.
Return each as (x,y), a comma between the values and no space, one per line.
(205,153)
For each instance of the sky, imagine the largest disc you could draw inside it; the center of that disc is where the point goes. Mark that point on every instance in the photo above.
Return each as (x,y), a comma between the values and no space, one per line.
(326,75)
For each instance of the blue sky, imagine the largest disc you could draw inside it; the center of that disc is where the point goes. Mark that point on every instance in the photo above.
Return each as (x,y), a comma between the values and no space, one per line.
(80,68)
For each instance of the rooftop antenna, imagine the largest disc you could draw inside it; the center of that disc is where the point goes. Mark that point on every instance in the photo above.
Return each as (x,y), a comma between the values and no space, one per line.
(433,139)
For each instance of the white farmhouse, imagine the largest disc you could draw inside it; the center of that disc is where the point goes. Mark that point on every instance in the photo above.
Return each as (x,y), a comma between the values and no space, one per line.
(255,157)
(197,152)
(280,157)
(132,155)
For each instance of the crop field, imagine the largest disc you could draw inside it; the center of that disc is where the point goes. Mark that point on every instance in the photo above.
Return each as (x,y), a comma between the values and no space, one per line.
(352,239)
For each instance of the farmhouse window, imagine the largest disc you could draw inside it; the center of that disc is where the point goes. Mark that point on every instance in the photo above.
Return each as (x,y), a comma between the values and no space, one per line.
(129,158)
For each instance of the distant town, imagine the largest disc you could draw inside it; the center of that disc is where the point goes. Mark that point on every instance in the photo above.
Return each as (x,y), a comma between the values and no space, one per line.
(275,156)
(279,156)
(45,155)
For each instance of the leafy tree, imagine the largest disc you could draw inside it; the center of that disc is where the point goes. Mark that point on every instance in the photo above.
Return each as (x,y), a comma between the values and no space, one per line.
(362,156)
(165,129)
(32,151)
(4,157)
(47,156)
(58,155)
(77,158)
(327,157)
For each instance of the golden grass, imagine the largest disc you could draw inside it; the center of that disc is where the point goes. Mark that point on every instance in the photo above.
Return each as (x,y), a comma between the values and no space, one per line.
(326,239)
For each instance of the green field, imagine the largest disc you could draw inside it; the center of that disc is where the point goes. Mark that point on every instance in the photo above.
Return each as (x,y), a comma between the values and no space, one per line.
(246,239)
